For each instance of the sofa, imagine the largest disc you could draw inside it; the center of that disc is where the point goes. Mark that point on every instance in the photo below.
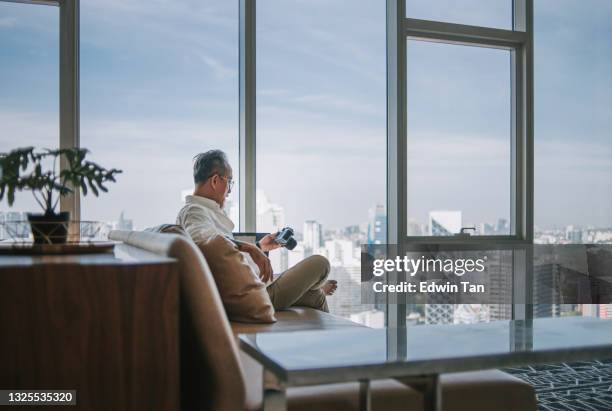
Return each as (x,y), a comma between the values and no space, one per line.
(216,375)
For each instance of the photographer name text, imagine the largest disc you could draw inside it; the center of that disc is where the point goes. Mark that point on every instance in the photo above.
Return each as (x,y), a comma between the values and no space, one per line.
(428,287)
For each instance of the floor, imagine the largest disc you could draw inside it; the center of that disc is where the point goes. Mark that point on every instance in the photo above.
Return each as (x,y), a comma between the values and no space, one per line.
(580,386)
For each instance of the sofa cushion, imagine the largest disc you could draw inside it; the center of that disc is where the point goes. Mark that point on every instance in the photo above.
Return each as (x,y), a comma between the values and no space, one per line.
(386,395)
(486,390)
(466,391)
(244,295)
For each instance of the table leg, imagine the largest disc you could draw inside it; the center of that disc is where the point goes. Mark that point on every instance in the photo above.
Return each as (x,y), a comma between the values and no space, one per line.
(365,396)
(275,395)
(430,387)
(275,400)
(432,394)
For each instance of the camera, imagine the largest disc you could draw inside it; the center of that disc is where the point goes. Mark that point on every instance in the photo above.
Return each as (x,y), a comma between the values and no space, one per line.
(285,238)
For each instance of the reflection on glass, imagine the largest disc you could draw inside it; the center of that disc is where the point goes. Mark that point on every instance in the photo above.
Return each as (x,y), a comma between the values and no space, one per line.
(29,76)
(158,86)
(459,139)
(321,136)
(573,149)
(29,89)
(488,13)
(430,348)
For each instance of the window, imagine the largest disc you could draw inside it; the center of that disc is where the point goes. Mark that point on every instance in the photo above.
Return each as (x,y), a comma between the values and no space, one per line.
(459,139)
(29,84)
(459,108)
(573,148)
(159,84)
(321,145)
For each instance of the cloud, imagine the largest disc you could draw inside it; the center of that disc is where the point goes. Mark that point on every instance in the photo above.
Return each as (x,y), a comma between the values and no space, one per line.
(324,101)
(273,92)
(219,69)
(20,129)
(7,22)
(211,13)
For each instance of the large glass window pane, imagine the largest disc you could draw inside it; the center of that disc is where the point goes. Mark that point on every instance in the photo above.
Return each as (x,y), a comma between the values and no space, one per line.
(573,130)
(486,13)
(321,135)
(29,90)
(459,139)
(159,84)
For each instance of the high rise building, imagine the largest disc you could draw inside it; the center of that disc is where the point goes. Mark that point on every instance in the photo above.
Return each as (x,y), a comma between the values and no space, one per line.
(573,234)
(471,313)
(313,237)
(341,252)
(377,228)
(444,223)
(347,298)
(270,216)
(502,226)
(16,225)
(3,234)
(605,311)
(439,313)
(124,223)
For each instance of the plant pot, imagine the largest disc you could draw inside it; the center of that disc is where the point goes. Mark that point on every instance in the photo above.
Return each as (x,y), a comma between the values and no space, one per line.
(49,228)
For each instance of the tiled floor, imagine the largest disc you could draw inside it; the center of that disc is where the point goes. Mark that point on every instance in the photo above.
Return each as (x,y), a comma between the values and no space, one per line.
(583,386)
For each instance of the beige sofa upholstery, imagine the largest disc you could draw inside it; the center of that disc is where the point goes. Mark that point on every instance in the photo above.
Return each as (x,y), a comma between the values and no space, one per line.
(216,376)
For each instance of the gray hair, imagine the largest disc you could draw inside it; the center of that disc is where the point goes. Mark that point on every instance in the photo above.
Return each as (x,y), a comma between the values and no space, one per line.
(206,165)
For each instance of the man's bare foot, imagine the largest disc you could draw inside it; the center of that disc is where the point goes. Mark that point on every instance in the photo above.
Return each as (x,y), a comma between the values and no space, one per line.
(329,287)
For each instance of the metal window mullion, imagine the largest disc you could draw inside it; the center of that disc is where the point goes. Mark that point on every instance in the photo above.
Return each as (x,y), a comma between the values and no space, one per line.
(460,40)
(528,113)
(69,95)
(452,32)
(522,293)
(37,2)
(396,147)
(480,239)
(517,174)
(247,115)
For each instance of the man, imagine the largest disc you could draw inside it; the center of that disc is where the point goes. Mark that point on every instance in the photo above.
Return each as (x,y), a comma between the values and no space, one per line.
(304,284)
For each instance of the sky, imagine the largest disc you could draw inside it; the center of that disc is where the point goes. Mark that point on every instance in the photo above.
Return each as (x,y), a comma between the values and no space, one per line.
(159,84)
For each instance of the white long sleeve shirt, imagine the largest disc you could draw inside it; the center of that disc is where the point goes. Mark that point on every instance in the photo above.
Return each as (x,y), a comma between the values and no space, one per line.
(202,218)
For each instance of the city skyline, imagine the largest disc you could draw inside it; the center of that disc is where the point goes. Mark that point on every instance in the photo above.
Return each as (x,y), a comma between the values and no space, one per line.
(312,100)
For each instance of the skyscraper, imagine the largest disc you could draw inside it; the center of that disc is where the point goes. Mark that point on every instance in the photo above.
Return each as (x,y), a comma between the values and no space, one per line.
(443,223)
(270,216)
(312,236)
(377,228)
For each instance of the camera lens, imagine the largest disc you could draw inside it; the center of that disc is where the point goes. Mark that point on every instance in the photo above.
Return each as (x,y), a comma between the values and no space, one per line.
(291,243)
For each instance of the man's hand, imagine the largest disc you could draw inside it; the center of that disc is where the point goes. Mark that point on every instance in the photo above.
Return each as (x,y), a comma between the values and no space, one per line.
(262,261)
(268,243)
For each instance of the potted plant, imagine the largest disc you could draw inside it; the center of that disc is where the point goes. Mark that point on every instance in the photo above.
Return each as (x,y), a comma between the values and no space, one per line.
(23,169)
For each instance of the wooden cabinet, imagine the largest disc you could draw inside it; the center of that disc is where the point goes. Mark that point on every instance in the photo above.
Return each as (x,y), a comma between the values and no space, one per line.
(106,325)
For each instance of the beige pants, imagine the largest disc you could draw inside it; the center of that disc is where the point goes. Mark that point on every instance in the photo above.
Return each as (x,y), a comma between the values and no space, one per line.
(301,285)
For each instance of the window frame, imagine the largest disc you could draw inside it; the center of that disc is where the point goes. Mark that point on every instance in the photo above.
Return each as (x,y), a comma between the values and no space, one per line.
(68,88)
(399,29)
(519,41)
(516,42)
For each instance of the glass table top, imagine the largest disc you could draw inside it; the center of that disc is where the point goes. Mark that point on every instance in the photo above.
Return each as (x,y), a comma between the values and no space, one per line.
(432,348)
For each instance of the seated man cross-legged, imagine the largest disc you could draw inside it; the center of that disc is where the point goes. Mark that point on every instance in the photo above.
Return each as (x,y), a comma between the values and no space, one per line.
(203,217)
